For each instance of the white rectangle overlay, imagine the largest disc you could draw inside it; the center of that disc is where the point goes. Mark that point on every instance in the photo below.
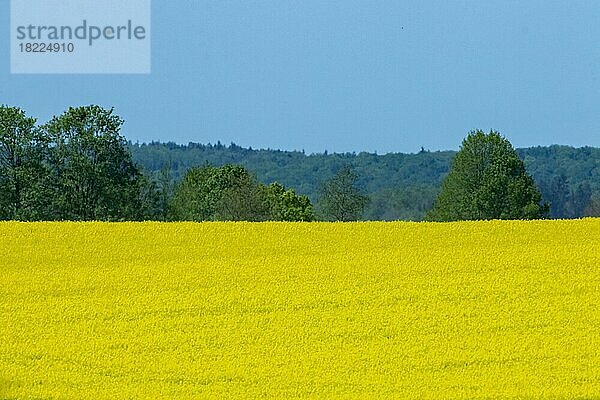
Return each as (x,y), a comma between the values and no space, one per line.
(80,37)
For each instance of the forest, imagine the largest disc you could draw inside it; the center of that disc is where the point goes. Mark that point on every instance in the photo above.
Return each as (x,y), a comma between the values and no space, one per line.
(400,186)
(79,166)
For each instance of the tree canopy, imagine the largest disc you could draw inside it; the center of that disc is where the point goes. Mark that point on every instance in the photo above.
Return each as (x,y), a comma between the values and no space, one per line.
(75,167)
(78,166)
(341,199)
(286,205)
(231,193)
(20,164)
(401,186)
(92,171)
(487,180)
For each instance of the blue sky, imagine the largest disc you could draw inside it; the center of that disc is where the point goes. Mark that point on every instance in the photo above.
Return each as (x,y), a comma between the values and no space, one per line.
(345,75)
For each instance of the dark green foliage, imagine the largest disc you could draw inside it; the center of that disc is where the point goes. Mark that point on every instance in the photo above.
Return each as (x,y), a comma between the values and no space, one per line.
(560,194)
(341,199)
(593,207)
(286,205)
(408,203)
(156,194)
(580,199)
(384,177)
(231,193)
(78,167)
(53,177)
(244,200)
(212,193)
(23,191)
(566,201)
(487,180)
(16,140)
(306,173)
(197,195)
(92,174)
(554,167)
(165,189)
(149,199)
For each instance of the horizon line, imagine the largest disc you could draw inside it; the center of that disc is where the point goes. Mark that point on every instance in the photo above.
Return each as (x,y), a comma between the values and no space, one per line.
(327,152)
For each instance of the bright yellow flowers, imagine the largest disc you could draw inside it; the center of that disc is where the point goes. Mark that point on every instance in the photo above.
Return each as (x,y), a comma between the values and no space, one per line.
(297,310)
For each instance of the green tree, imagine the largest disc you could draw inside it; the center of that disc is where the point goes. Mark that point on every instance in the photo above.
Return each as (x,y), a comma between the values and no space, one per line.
(232,193)
(246,200)
(593,207)
(341,199)
(487,180)
(286,205)
(581,197)
(194,198)
(166,189)
(93,174)
(407,203)
(199,195)
(22,168)
(156,191)
(391,177)
(560,197)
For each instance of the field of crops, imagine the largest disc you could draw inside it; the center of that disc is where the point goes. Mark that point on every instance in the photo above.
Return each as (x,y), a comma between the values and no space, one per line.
(285,310)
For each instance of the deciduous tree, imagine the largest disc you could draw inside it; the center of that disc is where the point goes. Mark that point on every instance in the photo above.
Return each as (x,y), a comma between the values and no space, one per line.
(286,205)
(341,199)
(22,168)
(94,176)
(487,180)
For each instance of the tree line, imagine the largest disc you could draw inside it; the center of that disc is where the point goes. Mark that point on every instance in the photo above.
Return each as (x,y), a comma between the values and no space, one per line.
(78,166)
(400,186)
(75,167)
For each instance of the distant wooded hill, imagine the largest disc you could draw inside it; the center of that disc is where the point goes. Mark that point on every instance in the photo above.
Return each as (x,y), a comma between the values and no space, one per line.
(401,186)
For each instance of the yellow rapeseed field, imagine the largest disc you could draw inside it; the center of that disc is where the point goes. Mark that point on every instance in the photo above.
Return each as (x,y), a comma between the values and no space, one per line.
(492,310)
